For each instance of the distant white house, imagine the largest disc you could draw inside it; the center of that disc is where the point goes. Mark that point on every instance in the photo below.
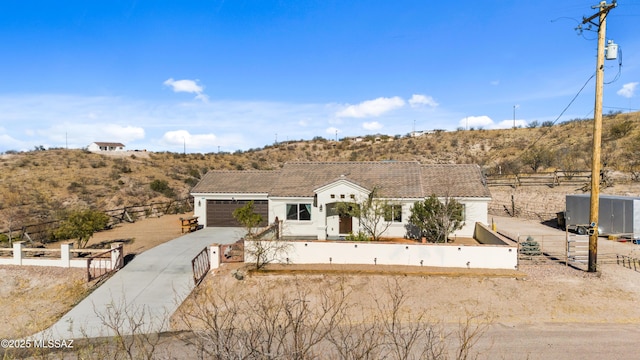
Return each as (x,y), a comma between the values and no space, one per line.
(105,146)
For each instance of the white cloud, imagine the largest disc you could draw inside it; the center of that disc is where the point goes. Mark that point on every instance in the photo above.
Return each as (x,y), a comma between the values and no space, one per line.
(374,125)
(508,124)
(486,122)
(628,90)
(10,143)
(121,133)
(495,82)
(374,107)
(65,120)
(332,131)
(188,140)
(476,121)
(188,86)
(418,100)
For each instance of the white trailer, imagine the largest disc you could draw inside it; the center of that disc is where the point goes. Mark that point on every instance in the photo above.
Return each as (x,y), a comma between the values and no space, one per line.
(618,215)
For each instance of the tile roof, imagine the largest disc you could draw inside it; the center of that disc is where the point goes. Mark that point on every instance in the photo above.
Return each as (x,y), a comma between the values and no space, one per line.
(110,144)
(394,179)
(398,179)
(464,180)
(229,181)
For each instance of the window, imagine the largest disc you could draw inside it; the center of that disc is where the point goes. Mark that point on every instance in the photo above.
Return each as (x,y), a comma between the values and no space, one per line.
(393,213)
(299,212)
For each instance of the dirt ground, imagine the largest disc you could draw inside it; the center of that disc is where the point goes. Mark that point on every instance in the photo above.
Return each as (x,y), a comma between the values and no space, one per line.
(35,297)
(536,294)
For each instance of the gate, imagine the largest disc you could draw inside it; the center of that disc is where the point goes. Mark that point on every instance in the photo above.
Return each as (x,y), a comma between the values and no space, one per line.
(578,248)
(200,265)
(231,253)
(105,262)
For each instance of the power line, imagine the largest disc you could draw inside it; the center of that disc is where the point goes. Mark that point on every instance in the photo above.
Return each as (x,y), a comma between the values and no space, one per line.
(559,116)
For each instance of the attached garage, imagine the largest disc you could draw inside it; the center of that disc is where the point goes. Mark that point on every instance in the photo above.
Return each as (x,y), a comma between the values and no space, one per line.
(220,212)
(220,192)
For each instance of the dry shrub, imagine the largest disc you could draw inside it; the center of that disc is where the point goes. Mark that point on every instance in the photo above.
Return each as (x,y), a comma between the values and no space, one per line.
(318,317)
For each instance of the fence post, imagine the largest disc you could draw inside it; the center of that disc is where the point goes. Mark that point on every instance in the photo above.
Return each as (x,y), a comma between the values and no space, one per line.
(116,255)
(65,255)
(17,252)
(214,255)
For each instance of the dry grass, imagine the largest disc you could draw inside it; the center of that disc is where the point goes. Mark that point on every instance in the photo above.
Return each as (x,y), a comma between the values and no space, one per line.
(34,298)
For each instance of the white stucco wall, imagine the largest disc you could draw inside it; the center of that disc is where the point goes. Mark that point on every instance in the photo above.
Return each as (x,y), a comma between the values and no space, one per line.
(65,258)
(278,208)
(95,148)
(344,252)
(475,211)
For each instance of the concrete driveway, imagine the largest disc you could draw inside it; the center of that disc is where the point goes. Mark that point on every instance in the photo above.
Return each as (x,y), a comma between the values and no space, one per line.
(553,240)
(147,290)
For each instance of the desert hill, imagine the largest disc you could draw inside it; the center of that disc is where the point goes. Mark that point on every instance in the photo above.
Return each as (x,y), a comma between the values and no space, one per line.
(36,185)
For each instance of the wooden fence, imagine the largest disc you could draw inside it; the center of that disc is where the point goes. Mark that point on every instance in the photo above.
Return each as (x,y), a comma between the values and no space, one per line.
(131,213)
(550,179)
(41,232)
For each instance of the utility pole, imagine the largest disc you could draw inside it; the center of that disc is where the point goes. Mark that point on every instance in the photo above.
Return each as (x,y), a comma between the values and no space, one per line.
(597,131)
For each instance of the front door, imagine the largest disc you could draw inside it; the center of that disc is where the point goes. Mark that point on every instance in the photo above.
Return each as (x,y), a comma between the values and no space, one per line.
(345,226)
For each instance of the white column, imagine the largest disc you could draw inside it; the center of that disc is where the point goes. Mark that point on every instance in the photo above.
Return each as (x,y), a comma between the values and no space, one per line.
(17,252)
(65,255)
(115,255)
(214,256)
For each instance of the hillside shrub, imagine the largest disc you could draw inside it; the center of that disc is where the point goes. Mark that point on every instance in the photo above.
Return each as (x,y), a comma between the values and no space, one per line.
(537,157)
(162,186)
(532,125)
(621,129)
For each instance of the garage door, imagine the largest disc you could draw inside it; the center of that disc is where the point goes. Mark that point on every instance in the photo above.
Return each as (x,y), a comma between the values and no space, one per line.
(220,212)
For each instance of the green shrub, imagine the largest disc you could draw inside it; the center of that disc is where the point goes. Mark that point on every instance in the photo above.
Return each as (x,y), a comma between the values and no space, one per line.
(80,225)
(360,236)
(162,186)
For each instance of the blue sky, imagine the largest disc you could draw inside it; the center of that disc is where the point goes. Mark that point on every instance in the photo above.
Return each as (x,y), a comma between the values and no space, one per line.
(241,74)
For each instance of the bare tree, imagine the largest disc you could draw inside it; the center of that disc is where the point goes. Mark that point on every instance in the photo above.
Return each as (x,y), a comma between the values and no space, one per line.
(373,213)
(304,321)
(262,252)
(130,325)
